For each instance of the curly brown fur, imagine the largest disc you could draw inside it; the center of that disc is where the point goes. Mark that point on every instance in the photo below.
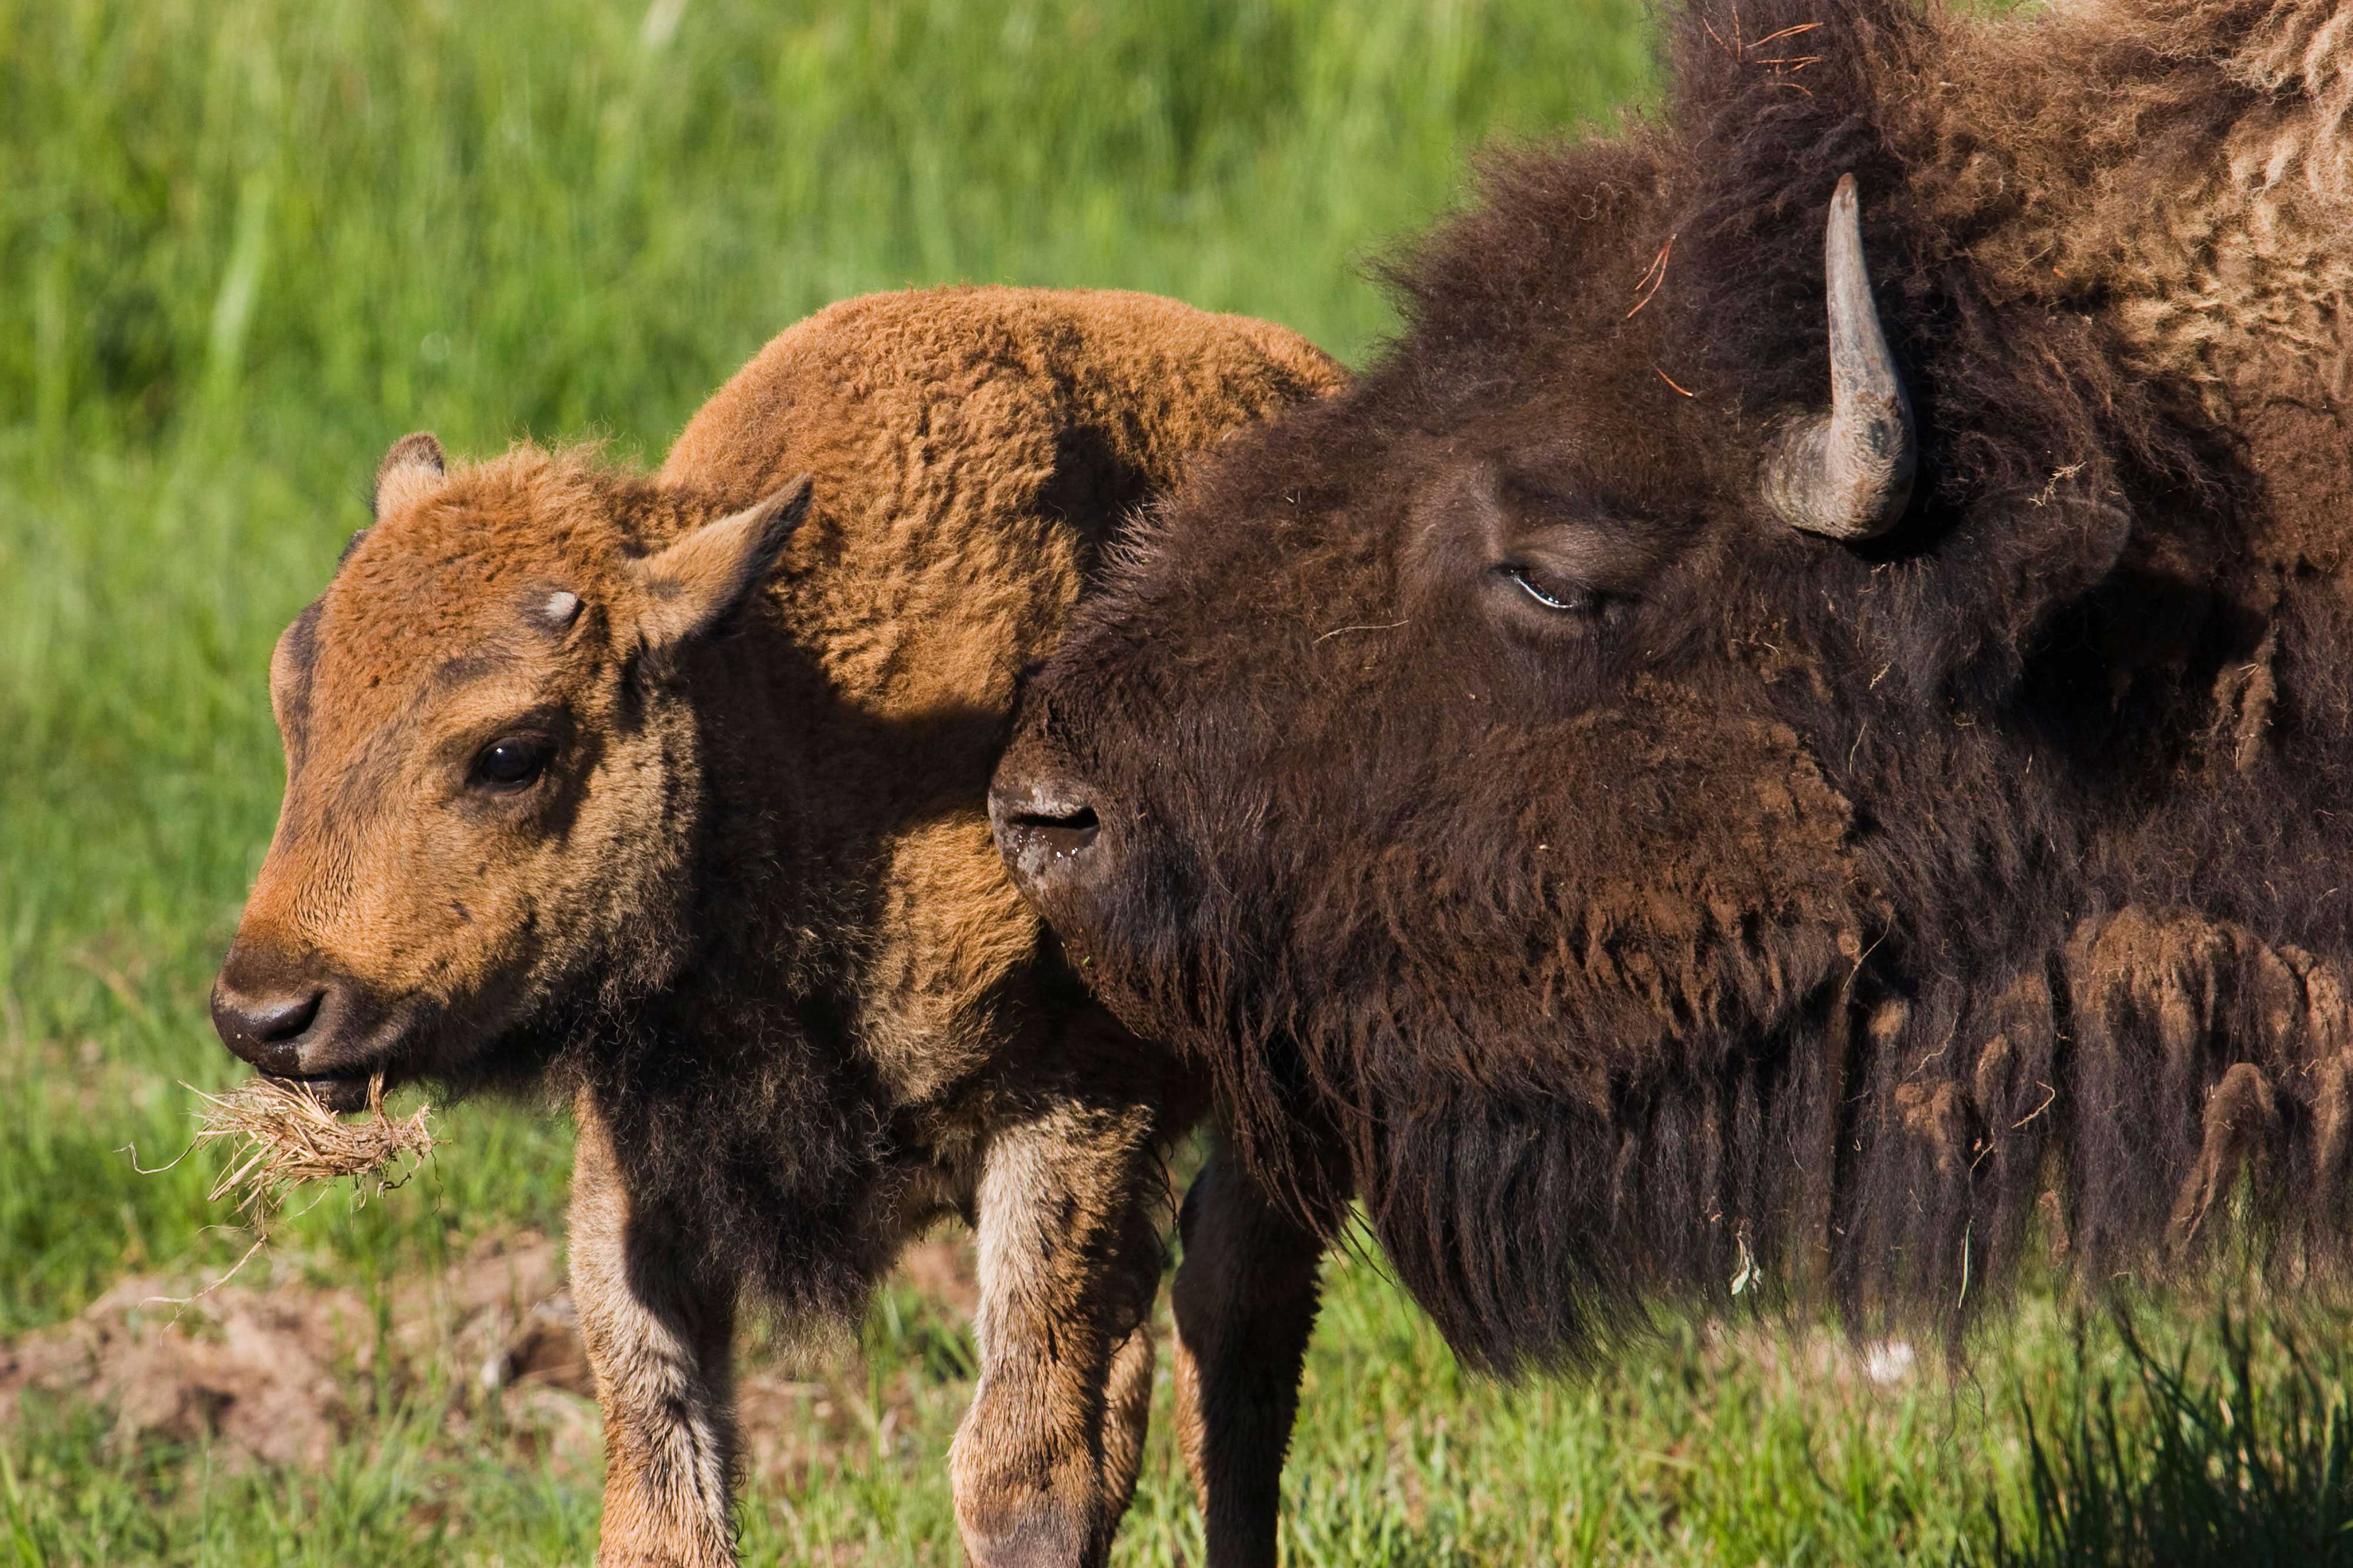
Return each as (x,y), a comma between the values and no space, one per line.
(670,791)
(1790,910)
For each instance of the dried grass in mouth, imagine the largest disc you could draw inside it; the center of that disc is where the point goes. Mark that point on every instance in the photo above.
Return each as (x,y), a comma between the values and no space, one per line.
(280,1135)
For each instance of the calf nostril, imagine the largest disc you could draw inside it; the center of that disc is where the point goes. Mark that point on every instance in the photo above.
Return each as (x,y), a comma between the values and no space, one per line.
(267,1032)
(286,1019)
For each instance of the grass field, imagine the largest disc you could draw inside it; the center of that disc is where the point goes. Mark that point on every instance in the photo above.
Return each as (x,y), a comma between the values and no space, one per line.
(243,248)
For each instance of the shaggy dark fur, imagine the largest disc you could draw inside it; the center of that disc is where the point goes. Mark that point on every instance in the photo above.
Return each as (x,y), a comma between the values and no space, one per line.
(1784,909)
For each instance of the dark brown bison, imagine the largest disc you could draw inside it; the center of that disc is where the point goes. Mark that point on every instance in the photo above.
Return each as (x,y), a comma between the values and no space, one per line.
(1805,702)
(673,790)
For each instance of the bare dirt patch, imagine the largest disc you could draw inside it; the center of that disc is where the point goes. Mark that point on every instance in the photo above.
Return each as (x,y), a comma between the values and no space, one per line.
(280,1373)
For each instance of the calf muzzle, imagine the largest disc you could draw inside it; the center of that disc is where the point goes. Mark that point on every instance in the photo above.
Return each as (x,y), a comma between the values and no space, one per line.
(292,1020)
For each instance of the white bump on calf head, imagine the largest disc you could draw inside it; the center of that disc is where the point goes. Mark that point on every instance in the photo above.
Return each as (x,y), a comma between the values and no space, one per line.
(560,608)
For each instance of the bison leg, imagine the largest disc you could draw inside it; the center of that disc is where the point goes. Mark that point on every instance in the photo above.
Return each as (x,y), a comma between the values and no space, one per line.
(662,1352)
(1067,1217)
(1127,1414)
(1246,1296)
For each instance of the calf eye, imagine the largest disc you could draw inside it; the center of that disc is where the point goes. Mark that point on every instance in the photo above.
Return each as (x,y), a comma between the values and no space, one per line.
(511,764)
(1550,594)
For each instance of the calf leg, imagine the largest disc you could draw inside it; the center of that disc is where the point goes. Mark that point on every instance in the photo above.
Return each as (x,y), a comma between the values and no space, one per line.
(1245,1298)
(662,1352)
(1069,1209)
(1127,1414)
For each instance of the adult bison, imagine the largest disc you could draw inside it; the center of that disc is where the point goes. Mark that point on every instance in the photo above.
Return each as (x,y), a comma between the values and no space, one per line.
(672,789)
(1805,702)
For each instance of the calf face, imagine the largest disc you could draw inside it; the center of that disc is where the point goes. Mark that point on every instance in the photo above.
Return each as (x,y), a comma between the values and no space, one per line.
(490,766)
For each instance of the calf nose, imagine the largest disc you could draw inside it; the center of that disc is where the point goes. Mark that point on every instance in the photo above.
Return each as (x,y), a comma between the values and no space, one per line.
(1048,830)
(266,1030)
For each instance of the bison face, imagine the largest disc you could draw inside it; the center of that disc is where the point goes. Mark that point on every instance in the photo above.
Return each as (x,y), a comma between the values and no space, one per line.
(490,769)
(1485,728)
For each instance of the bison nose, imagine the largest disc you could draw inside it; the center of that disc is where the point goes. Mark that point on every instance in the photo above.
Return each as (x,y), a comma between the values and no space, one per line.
(266,1030)
(1047,830)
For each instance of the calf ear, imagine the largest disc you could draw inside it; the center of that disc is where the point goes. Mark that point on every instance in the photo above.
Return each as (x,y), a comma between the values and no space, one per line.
(414,466)
(698,582)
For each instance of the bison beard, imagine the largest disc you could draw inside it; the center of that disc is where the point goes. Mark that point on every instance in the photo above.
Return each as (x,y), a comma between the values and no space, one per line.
(1622,892)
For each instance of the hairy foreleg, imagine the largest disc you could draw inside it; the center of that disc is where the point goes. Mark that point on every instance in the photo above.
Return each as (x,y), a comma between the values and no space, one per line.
(1069,1207)
(1127,1414)
(662,1352)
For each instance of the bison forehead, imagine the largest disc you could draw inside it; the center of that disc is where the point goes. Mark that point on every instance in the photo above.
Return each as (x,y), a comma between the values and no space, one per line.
(471,579)
(403,616)
(380,664)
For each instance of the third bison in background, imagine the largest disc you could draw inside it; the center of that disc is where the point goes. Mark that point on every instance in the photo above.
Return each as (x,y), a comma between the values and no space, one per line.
(1782,721)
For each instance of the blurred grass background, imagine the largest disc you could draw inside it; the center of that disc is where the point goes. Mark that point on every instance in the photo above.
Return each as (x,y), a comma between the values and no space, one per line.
(244,248)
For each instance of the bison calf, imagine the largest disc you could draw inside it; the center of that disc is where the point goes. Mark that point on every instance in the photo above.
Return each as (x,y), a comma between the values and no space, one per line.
(670,791)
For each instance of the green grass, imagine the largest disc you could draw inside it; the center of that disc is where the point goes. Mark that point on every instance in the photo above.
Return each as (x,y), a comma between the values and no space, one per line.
(2078,1439)
(244,248)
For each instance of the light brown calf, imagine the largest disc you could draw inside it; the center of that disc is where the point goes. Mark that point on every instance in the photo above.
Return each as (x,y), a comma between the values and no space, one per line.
(670,792)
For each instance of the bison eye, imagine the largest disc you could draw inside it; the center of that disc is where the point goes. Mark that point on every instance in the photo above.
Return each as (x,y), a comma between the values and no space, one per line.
(1549,593)
(511,764)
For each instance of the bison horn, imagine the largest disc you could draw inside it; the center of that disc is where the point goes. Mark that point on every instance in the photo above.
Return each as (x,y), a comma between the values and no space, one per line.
(1847,474)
